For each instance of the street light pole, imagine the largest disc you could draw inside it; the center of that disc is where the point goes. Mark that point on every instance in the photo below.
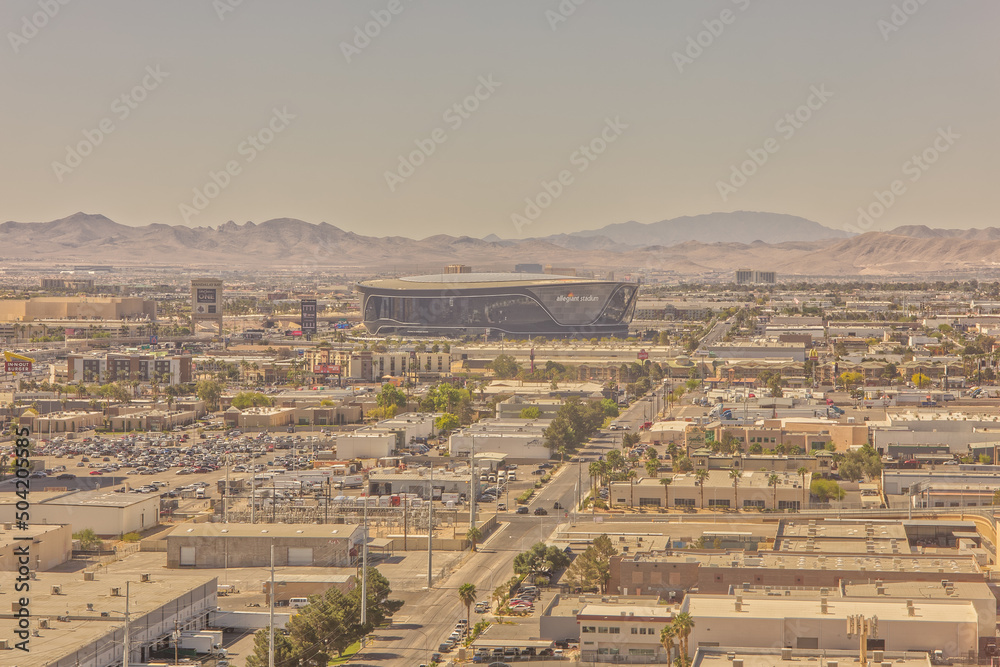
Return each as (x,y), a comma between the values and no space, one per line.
(430,532)
(364,566)
(270,611)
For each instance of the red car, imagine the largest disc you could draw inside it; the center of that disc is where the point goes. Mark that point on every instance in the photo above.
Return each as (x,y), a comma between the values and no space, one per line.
(96,472)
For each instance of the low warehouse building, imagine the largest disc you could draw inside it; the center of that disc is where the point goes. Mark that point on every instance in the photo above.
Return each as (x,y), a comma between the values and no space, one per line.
(246,545)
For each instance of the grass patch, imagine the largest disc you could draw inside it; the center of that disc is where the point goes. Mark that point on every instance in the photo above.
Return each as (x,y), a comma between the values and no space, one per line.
(348,654)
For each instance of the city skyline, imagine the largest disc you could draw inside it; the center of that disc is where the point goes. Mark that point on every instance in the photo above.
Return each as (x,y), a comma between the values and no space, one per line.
(518,119)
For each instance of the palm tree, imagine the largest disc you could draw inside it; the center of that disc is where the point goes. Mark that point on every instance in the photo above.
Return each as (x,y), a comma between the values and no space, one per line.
(668,636)
(772,481)
(701,476)
(595,469)
(683,624)
(467,594)
(735,474)
(666,481)
(474,535)
(803,471)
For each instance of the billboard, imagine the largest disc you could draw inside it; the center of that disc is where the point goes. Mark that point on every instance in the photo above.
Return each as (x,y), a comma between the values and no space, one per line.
(326,369)
(17,366)
(308,316)
(206,301)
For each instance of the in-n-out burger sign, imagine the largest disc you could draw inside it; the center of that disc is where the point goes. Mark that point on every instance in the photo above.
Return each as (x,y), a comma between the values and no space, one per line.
(573,298)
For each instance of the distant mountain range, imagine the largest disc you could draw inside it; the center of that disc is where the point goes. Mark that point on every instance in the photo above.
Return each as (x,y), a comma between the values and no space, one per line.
(698,246)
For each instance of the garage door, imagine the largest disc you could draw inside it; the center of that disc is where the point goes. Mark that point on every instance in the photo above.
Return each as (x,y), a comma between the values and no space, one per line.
(300,556)
(187,555)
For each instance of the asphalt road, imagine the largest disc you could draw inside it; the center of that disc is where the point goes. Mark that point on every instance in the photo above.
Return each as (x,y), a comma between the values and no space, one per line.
(429,616)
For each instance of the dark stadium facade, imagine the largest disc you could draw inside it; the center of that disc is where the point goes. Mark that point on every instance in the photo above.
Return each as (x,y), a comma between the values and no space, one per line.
(515,304)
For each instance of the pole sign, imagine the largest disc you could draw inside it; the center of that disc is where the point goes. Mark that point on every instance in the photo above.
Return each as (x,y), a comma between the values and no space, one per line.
(17,366)
(308,320)
(643,355)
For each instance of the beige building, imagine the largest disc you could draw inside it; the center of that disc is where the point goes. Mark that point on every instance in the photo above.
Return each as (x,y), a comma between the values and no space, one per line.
(919,624)
(63,422)
(76,307)
(49,546)
(295,585)
(244,545)
(753,491)
(102,510)
(152,420)
(611,632)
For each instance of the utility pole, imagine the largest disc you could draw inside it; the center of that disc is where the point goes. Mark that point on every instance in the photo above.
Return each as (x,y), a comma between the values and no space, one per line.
(225,497)
(364,565)
(127,628)
(177,639)
(253,495)
(430,532)
(270,611)
(472,485)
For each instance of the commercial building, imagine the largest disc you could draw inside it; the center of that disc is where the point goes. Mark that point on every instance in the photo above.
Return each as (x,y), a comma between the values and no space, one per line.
(365,443)
(62,422)
(295,585)
(518,439)
(104,511)
(79,616)
(417,482)
(754,490)
(921,624)
(76,307)
(729,656)
(611,632)
(111,367)
(754,277)
(49,546)
(249,545)
(152,420)
(516,304)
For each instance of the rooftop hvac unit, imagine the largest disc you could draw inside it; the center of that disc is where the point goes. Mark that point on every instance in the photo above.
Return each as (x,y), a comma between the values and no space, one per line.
(144,576)
(90,606)
(877,655)
(116,592)
(786,653)
(57,590)
(4,644)
(737,662)
(88,576)
(43,623)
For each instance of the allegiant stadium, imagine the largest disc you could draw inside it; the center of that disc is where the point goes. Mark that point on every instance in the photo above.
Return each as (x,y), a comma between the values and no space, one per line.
(515,304)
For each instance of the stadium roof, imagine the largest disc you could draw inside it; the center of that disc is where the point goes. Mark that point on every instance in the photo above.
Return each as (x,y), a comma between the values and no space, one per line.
(473,280)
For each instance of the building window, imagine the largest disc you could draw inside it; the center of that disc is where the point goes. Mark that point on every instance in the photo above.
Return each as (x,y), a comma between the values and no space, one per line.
(601,629)
(588,628)
(615,631)
(788,504)
(645,502)
(683,502)
(718,502)
(641,651)
(753,503)
(635,631)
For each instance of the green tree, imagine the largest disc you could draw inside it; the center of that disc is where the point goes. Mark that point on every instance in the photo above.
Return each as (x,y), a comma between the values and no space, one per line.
(88,539)
(530,412)
(447,422)
(390,396)
(668,637)
(209,391)
(247,399)
(701,476)
(803,471)
(652,467)
(773,480)
(467,594)
(850,379)
(284,652)
(591,570)
(826,489)
(684,624)
(736,474)
(666,482)
(505,367)
(920,380)
(474,535)
(540,558)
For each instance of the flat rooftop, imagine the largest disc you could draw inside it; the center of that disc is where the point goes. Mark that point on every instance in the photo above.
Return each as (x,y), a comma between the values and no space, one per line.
(765,657)
(915,590)
(814,561)
(723,606)
(104,497)
(638,611)
(570,605)
(13,535)
(84,626)
(282,530)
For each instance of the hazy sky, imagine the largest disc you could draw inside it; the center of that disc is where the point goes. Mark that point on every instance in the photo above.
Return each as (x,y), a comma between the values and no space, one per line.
(128,107)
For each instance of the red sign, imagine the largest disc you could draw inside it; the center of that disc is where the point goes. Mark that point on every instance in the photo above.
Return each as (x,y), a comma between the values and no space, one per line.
(326,369)
(15,366)
(643,355)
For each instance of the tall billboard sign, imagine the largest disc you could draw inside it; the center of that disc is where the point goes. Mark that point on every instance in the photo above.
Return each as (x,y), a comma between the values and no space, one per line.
(308,316)
(206,302)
